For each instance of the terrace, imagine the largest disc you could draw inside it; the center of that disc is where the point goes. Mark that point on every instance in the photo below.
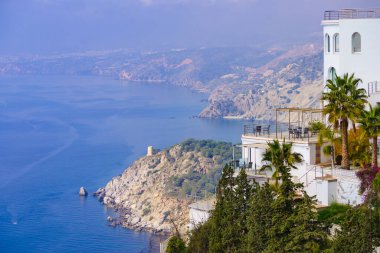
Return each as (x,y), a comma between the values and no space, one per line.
(352,14)
(296,129)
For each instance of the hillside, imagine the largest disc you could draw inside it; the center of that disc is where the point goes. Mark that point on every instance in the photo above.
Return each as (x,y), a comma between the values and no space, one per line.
(156,190)
(290,80)
(242,82)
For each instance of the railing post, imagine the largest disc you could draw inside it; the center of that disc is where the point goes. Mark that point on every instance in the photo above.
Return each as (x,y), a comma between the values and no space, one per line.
(315,172)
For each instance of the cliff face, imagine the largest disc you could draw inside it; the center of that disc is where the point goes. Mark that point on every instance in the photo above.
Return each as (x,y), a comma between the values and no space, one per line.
(151,193)
(293,79)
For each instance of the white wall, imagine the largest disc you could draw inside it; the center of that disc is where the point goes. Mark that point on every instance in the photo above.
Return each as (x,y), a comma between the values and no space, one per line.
(326,191)
(331,59)
(197,216)
(366,64)
(348,192)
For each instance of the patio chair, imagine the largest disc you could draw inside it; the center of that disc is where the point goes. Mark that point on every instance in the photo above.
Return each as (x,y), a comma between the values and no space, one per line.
(298,132)
(266,130)
(306,132)
(291,132)
(258,130)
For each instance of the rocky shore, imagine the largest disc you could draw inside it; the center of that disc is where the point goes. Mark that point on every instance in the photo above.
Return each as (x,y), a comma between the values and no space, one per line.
(151,193)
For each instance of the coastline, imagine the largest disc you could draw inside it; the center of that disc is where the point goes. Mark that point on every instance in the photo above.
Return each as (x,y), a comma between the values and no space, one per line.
(151,194)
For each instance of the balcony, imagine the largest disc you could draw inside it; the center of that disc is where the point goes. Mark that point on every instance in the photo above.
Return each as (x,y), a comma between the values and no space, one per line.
(352,14)
(296,129)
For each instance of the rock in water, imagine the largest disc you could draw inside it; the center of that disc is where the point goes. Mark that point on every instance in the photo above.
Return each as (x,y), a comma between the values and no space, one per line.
(82,191)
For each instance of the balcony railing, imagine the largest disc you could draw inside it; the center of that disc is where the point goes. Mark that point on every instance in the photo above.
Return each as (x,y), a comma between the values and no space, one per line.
(290,131)
(352,14)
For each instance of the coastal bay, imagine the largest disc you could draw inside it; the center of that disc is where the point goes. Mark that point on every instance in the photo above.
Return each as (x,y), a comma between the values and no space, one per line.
(58,133)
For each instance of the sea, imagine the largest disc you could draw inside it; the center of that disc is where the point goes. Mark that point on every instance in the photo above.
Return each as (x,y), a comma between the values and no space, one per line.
(58,133)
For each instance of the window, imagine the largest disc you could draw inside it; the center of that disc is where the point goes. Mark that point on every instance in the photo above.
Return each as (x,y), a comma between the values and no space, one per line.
(356,43)
(327,43)
(332,74)
(336,42)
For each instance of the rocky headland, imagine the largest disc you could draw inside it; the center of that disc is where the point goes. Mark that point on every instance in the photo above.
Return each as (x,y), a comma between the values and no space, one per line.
(153,193)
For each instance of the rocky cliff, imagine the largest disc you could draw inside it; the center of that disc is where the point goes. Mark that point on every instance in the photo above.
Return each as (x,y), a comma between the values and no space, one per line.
(293,79)
(155,191)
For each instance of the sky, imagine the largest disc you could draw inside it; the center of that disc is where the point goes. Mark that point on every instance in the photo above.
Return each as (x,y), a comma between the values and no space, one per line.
(60,26)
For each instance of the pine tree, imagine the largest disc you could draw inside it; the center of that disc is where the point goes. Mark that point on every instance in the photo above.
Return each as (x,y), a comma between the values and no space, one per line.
(229,219)
(222,220)
(199,238)
(359,231)
(243,192)
(259,219)
(306,233)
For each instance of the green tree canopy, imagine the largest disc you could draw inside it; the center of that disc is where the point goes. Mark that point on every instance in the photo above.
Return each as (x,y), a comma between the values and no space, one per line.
(345,102)
(370,122)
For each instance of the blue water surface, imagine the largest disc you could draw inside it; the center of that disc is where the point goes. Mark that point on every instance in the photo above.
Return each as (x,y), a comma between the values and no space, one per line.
(58,133)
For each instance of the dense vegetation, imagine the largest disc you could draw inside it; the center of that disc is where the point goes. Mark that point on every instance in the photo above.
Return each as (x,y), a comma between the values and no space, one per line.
(281,217)
(196,182)
(346,103)
(253,218)
(333,214)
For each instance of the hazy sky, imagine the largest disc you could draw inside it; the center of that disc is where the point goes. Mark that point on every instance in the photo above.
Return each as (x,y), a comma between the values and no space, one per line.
(53,26)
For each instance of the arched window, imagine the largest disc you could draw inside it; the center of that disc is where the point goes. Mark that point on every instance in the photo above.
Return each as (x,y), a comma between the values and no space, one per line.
(327,43)
(356,43)
(332,74)
(336,42)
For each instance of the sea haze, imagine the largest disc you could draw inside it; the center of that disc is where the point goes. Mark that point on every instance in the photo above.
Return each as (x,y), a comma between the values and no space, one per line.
(59,133)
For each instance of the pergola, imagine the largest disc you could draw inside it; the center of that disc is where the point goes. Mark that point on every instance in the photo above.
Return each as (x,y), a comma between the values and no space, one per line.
(301,114)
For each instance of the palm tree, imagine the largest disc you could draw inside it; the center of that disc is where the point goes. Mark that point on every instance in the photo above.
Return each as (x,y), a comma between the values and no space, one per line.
(370,123)
(280,158)
(359,147)
(345,102)
(327,133)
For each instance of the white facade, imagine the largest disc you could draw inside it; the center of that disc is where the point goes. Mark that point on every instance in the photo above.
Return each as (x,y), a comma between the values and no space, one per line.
(352,45)
(327,185)
(253,148)
(199,212)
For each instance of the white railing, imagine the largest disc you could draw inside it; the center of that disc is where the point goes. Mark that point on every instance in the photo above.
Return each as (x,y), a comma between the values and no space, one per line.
(314,171)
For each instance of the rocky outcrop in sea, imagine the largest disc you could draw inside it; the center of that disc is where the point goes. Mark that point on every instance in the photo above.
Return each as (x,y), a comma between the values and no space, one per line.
(153,193)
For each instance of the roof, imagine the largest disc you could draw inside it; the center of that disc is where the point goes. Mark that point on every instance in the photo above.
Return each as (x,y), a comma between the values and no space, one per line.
(297,109)
(352,14)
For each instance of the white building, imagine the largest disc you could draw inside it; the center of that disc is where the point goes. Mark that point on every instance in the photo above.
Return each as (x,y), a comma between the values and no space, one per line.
(352,45)
(199,212)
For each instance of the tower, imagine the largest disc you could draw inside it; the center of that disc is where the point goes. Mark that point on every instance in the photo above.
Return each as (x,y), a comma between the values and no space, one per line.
(352,45)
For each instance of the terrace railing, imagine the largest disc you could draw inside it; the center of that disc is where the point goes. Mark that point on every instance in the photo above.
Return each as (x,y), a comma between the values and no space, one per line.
(352,14)
(280,131)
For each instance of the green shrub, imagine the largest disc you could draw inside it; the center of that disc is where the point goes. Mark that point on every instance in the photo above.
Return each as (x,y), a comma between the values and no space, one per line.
(333,213)
(195,182)
(175,245)
(316,125)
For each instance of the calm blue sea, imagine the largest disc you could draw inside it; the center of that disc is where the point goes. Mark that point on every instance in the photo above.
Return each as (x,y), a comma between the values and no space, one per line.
(59,133)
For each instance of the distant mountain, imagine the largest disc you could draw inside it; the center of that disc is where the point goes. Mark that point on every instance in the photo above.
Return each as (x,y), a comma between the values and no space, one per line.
(243,82)
(293,79)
